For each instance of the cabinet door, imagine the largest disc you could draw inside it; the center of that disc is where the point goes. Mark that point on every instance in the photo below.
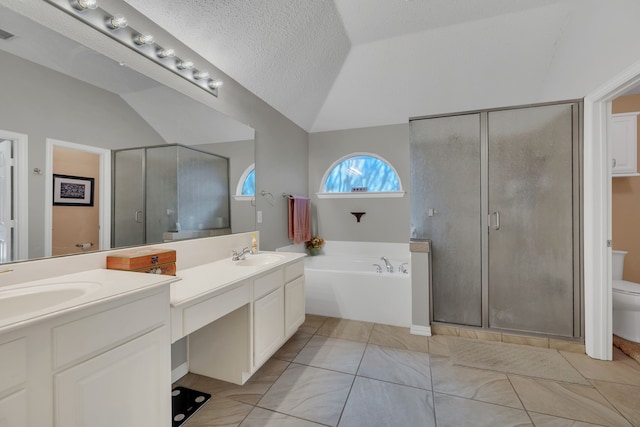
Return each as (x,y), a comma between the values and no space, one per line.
(13,410)
(624,143)
(128,386)
(268,325)
(294,305)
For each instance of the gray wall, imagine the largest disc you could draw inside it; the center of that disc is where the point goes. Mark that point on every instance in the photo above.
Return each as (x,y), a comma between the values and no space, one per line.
(42,103)
(386,219)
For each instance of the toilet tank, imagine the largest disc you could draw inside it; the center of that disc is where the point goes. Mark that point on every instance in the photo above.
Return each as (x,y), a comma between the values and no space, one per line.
(617,264)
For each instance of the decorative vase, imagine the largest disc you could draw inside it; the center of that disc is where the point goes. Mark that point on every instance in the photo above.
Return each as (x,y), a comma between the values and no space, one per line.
(313,251)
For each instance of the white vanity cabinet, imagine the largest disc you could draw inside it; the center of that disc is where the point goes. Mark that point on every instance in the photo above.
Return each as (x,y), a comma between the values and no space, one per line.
(114,366)
(261,312)
(104,365)
(624,144)
(278,310)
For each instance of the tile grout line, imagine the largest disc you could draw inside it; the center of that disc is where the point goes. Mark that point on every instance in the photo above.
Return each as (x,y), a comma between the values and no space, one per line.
(289,363)
(355,375)
(433,392)
(611,403)
(519,398)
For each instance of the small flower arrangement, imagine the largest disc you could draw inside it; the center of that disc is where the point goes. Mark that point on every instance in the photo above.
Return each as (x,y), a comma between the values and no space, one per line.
(314,244)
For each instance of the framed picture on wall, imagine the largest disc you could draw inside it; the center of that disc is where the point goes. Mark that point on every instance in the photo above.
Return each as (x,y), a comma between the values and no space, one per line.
(72,190)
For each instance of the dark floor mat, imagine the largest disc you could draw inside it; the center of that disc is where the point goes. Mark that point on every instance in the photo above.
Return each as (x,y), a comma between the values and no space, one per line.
(185,402)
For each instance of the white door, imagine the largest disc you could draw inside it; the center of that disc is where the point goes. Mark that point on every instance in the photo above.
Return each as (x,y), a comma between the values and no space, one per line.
(128,386)
(13,409)
(268,325)
(6,237)
(294,304)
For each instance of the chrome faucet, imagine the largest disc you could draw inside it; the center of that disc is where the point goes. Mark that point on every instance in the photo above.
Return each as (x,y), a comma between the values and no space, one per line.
(387,264)
(237,256)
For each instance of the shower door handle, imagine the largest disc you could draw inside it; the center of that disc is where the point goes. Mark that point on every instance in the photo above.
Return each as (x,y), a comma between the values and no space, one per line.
(495,215)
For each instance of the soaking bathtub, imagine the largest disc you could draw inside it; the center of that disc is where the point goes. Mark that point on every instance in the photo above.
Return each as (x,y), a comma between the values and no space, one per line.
(343,282)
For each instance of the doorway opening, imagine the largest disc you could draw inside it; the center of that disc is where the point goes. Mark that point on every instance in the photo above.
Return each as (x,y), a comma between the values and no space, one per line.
(597,212)
(79,228)
(14,193)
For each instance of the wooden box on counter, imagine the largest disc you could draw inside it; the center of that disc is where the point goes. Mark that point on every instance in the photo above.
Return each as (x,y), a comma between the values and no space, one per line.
(155,261)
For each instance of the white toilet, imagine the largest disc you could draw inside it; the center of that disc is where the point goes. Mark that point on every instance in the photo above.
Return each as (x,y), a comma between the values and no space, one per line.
(626,302)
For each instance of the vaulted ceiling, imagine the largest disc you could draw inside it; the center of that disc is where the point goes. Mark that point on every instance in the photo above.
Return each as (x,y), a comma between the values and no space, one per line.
(338,64)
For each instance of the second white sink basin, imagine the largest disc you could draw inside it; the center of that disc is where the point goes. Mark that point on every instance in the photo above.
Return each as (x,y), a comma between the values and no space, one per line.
(259,260)
(30,299)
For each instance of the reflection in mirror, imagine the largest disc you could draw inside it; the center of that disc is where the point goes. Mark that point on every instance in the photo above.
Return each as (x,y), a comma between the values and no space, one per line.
(61,101)
(186,195)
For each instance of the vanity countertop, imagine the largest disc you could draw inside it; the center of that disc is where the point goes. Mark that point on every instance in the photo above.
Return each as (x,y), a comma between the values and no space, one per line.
(215,277)
(31,302)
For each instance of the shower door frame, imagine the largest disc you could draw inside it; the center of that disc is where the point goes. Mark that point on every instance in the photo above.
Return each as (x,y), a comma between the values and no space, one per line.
(577,195)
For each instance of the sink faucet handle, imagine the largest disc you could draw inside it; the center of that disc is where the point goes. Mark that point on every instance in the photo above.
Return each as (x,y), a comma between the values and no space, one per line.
(402,268)
(378,268)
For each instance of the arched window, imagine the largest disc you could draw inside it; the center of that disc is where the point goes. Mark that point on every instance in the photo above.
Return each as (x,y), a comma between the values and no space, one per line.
(361,175)
(246,188)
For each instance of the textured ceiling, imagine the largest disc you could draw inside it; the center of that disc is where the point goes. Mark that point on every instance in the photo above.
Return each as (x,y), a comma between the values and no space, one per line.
(372,20)
(337,64)
(286,52)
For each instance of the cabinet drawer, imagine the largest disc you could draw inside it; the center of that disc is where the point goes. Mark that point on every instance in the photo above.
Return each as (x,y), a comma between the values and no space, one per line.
(207,311)
(265,284)
(13,369)
(293,271)
(104,330)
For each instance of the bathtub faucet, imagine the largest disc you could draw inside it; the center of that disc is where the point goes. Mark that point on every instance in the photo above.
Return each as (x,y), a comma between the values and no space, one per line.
(387,264)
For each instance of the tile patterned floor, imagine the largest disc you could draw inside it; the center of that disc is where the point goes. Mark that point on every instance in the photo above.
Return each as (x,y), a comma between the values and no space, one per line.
(337,372)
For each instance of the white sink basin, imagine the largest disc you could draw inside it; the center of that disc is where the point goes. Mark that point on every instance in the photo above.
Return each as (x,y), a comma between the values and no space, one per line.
(30,299)
(259,260)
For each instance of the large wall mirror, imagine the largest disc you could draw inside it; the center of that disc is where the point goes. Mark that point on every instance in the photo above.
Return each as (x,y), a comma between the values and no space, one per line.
(64,111)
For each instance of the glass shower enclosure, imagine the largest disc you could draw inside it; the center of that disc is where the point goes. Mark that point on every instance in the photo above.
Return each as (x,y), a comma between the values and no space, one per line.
(168,192)
(497,193)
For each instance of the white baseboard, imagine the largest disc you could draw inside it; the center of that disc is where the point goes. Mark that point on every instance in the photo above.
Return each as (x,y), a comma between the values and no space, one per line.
(179,372)
(420,330)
